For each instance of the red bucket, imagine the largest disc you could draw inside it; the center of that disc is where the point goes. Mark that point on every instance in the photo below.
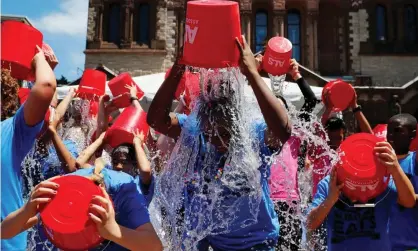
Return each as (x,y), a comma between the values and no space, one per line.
(192,88)
(92,84)
(364,178)
(340,94)
(381,131)
(117,87)
(210,32)
(23,94)
(180,87)
(276,60)
(129,120)
(18,47)
(65,219)
(414,144)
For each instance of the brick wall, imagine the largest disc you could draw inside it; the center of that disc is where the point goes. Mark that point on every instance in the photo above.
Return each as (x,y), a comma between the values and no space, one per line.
(359,32)
(389,70)
(91,24)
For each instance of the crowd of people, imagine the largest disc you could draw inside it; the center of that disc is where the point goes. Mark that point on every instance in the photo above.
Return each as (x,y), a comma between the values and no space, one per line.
(264,194)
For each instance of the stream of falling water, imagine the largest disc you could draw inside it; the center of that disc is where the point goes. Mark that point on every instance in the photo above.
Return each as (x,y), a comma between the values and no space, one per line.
(181,222)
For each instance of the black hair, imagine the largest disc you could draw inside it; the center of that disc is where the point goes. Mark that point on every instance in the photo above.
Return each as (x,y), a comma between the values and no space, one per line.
(334,124)
(405,119)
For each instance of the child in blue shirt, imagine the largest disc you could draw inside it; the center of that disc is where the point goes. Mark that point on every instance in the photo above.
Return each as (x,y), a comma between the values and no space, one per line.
(351,228)
(403,222)
(19,128)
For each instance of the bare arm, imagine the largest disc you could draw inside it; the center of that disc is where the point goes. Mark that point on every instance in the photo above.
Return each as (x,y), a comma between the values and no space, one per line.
(159,116)
(143,238)
(87,153)
(63,106)
(361,119)
(15,223)
(42,92)
(275,114)
(143,164)
(68,162)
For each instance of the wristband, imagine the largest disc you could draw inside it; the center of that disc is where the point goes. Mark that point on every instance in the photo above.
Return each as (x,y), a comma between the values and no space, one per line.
(134,98)
(357,109)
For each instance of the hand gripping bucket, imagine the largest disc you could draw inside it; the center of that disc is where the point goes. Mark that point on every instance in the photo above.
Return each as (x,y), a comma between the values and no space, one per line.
(18,47)
(65,218)
(276,60)
(381,131)
(48,52)
(129,120)
(118,89)
(363,177)
(210,31)
(92,84)
(340,94)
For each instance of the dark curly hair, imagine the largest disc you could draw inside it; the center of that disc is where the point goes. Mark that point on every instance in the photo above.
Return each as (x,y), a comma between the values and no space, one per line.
(9,95)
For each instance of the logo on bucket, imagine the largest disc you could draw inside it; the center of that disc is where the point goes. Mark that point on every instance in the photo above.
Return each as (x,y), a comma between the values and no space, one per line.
(190,33)
(352,185)
(276,62)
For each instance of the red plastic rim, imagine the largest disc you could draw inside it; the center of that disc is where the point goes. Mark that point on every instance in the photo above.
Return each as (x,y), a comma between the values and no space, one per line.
(212,3)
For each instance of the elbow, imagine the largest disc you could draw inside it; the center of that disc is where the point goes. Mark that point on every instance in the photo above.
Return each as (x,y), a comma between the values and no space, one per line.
(409,203)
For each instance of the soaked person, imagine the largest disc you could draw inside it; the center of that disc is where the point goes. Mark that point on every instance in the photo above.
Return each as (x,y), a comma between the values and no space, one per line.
(210,133)
(403,222)
(19,128)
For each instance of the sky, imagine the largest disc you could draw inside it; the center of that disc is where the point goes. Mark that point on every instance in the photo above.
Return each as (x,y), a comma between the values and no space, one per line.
(63,24)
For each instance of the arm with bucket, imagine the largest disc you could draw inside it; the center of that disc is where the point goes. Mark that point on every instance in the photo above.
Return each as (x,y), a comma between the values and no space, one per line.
(42,92)
(387,157)
(358,114)
(87,153)
(143,164)
(275,115)
(25,217)
(159,116)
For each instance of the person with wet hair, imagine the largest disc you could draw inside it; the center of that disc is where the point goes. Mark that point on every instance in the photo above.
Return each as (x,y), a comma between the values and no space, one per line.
(403,222)
(19,128)
(216,124)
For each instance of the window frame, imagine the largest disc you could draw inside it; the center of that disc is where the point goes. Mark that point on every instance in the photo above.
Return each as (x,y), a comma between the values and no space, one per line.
(299,44)
(385,24)
(405,25)
(267,26)
(136,24)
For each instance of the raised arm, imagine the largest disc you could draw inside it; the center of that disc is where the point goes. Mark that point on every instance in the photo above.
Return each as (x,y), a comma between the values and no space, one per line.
(159,116)
(68,162)
(42,92)
(87,153)
(63,106)
(143,164)
(275,114)
(361,119)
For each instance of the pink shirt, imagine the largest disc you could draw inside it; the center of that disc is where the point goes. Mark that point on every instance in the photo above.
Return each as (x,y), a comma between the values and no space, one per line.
(320,167)
(283,181)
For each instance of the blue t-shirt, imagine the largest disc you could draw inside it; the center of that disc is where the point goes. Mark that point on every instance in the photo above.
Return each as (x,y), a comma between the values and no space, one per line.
(356,229)
(266,227)
(147,191)
(403,222)
(17,139)
(129,203)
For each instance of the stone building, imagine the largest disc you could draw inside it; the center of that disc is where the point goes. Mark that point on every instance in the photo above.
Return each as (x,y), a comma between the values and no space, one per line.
(373,41)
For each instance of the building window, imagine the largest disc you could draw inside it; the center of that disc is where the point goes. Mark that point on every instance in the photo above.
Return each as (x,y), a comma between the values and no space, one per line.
(142,32)
(293,32)
(381,21)
(113,30)
(261,22)
(410,23)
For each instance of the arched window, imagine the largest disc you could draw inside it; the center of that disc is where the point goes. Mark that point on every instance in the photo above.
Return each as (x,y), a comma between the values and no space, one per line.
(293,32)
(381,22)
(114,23)
(261,22)
(143,24)
(410,23)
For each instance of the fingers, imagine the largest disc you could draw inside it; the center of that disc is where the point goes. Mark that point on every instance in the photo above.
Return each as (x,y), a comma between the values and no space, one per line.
(38,48)
(106,195)
(48,184)
(95,219)
(101,201)
(41,200)
(241,49)
(42,191)
(99,211)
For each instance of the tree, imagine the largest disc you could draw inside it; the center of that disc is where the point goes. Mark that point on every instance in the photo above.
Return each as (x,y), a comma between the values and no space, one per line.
(62,81)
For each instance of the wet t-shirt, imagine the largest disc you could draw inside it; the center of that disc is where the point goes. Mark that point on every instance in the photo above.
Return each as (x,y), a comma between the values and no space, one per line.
(147,191)
(17,139)
(356,229)
(403,223)
(265,228)
(284,172)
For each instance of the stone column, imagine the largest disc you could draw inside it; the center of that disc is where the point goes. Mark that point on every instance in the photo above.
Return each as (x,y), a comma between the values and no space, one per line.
(98,34)
(127,10)
(278,22)
(313,23)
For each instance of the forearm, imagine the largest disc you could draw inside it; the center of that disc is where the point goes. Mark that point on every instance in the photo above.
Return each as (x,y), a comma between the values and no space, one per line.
(273,112)
(160,106)
(143,164)
(136,240)
(319,214)
(14,223)
(67,160)
(102,119)
(63,106)
(305,88)
(363,123)
(406,194)
(87,153)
